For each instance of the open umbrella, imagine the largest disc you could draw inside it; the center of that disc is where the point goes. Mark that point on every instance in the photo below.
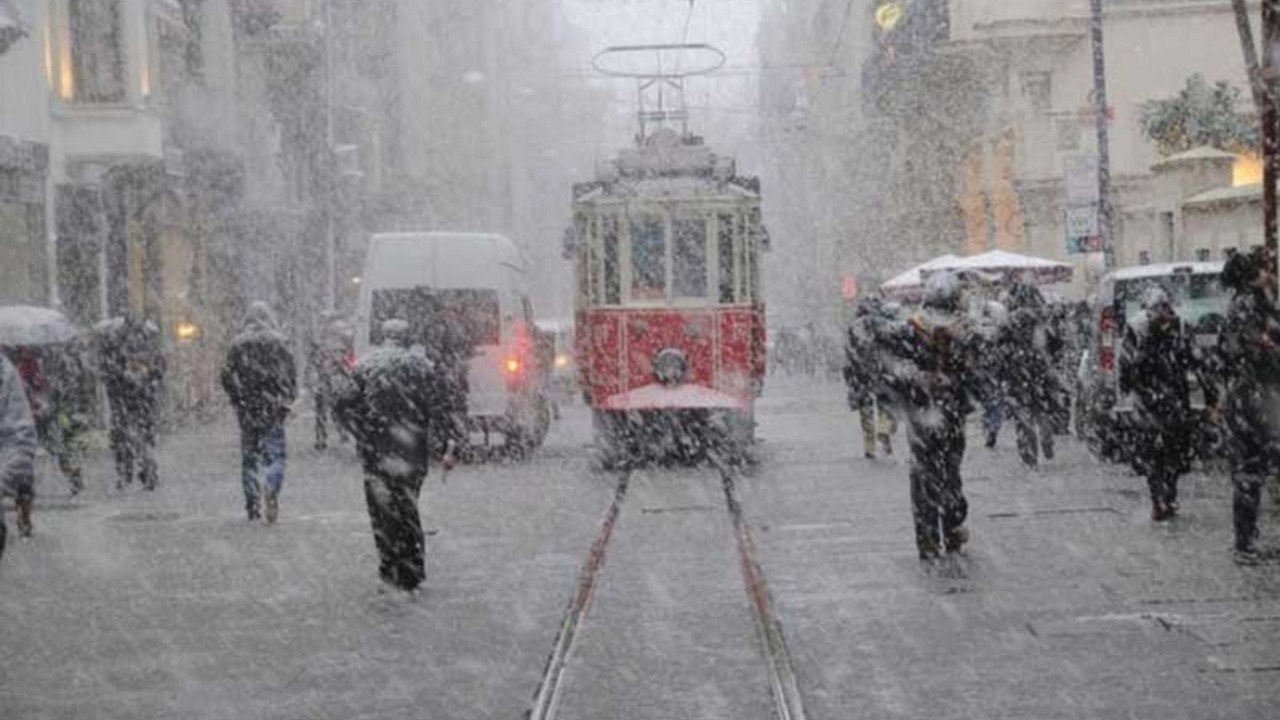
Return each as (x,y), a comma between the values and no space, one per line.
(1009,266)
(912,281)
(28,326)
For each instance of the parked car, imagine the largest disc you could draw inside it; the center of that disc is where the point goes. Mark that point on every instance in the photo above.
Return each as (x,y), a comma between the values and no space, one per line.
(1201,304)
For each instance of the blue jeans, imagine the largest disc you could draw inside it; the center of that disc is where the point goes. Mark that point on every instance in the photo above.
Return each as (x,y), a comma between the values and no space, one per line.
(262,447)
(993,414)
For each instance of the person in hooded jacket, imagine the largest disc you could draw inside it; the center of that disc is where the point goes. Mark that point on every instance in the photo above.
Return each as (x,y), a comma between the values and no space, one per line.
(332,357)
(1157,368)
(260,377)
(930,362)
(133,368)
(17,450)
(398,408)
(862,376)
(1029,348)
(1250,352)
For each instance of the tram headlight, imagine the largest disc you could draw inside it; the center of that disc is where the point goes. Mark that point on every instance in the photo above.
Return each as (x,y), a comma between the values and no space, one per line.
(670,367)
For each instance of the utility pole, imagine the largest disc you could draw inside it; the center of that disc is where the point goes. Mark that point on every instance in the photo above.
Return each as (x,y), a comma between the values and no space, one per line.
(331,169)
(1105,230)
(1268,73)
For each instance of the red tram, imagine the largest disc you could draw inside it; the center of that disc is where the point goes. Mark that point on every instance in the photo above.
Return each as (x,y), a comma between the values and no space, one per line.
(667,245)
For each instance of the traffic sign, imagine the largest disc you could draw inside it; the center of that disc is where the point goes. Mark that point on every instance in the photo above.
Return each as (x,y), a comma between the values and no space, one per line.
(1082,221)
(1080,175)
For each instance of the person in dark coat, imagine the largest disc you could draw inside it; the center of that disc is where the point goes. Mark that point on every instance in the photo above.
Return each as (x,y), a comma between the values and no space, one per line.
(930,372)
(1157,368)
(133,368)
(55,378)
(1250,351)
(17,450)
(862,376)
(396,407)
(260,377)
(1030,347)
(332,357)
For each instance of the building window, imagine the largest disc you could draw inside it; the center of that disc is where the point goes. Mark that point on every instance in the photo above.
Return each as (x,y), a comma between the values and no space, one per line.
(97,51)
(1202,254)
(1144,257)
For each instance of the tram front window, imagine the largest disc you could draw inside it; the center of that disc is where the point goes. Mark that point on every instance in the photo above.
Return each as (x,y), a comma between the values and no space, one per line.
(648,259)
(724,247)
(689,258)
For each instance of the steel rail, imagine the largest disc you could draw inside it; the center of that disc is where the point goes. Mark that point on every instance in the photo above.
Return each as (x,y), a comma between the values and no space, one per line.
(546,699)
(783,683)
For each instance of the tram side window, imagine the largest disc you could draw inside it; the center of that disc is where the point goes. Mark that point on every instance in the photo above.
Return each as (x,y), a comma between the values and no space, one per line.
(724,248)
(612,272)
(755,233)
(689,258)
(593,251)
(648,258)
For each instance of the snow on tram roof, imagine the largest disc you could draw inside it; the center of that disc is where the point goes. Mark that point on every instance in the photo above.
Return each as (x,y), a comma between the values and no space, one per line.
(676,187)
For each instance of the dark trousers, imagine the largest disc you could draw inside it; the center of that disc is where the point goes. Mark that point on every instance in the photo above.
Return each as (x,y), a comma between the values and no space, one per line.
(938,504)
(1035,436)
(397,529)
(1246,500)
(133,440)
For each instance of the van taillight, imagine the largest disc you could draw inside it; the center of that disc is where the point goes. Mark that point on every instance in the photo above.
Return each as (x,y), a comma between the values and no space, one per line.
(1107,359)
(1108,323)
(1107,340)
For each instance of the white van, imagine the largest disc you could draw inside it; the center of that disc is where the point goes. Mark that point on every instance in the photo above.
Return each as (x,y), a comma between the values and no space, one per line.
(471,284)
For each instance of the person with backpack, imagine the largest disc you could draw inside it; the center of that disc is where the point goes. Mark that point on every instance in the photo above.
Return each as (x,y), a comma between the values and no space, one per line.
(260,378)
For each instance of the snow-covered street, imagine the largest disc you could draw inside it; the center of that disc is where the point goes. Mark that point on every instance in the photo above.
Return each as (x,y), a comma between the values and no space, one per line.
(1068,603)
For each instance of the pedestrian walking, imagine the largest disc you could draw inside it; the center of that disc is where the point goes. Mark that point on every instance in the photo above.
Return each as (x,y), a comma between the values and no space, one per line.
(1157,368)
(1250,351)
(133,368)
(54,377)
(397,407)
(17,450)
(260,377)
(332,357)
(932,378)
(1029,354)
(863,374)
(990,369)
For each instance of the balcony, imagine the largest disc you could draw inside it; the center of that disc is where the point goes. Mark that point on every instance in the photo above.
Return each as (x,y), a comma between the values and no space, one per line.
(114,130)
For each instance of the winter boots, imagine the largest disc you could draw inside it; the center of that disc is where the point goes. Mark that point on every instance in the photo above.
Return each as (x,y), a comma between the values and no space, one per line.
(273,507)
(23,506)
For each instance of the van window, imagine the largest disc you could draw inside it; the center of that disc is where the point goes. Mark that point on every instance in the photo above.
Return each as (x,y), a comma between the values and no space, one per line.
(1194,296)
(648,258)
(689,258)
(471,315)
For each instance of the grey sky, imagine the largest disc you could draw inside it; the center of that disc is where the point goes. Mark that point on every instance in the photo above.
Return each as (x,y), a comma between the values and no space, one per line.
(722,106)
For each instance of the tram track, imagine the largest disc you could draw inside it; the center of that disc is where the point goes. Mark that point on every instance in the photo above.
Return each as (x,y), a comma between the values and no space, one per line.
(784,691)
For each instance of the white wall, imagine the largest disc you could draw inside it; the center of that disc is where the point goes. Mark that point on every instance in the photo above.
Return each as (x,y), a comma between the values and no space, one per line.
(24,106)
